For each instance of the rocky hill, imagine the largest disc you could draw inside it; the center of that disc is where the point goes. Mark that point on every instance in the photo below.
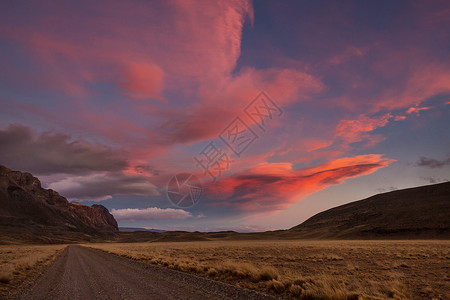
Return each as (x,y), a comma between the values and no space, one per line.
(421,212)
(29,212)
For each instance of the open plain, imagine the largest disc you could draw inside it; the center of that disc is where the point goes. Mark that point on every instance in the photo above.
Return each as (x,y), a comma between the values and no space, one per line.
(309,269)
(301,269)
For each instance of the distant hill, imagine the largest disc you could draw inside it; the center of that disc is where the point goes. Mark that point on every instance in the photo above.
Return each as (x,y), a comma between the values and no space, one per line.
(420,212)
(32,214)
(131,229)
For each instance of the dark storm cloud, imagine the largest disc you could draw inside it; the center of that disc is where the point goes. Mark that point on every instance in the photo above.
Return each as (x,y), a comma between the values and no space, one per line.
(103,186)
(53,153)
(433,163)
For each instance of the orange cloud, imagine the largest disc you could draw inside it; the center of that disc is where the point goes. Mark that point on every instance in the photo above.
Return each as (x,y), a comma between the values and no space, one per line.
(273,187)
(313,144)
(417,110)
(399,118)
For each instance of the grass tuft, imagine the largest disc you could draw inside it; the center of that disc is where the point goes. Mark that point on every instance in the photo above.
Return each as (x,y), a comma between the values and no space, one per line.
(275,286)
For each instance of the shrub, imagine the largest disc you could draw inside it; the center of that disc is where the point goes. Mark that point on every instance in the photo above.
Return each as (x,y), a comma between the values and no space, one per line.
(268,273)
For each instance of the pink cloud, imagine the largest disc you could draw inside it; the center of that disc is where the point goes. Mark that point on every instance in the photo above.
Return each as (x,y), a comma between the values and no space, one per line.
(399,118)
(194,53)
(121,43)
(395,77)
(417,110)
(352,131)
(221,102)
(142,80)
(313,144)
(349,53)
(272,187)
(198,45)
(427,80)
(191,49)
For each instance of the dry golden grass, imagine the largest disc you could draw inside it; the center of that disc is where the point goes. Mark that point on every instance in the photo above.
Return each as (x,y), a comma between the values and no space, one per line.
(18,261)
(309,269)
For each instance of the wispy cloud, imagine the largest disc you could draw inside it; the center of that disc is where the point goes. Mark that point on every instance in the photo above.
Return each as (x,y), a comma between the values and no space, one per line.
(432,162)
(352,131)
(270,187)
(417,110)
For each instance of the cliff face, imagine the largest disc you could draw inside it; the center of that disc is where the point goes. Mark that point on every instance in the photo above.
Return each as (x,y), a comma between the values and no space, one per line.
(96,215)
(26,208)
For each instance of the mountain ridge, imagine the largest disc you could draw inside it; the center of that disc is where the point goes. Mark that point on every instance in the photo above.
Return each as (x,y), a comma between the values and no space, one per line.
(415,212)
(30,212)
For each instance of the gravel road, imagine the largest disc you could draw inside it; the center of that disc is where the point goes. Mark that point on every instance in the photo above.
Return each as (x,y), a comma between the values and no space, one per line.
(82,273)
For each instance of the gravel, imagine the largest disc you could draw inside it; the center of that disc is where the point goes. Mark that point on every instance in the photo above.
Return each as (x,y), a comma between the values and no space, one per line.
(82,273)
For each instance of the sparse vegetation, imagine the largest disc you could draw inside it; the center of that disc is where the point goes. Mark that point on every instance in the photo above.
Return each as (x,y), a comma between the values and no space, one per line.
(18,261)
(308,269)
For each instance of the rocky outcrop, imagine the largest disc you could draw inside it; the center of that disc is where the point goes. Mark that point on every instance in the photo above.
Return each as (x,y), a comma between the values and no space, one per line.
(96,215)
(25,204)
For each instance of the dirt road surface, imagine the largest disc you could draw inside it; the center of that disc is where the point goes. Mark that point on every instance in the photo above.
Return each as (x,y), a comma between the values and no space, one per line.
(82,273)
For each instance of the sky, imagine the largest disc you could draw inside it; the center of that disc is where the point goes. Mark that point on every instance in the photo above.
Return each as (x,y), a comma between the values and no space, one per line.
(225,115)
